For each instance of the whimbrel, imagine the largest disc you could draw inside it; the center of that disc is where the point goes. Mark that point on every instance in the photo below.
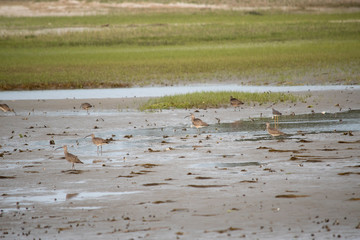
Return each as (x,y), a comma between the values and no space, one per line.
(197,122)
(273,131)
(235,102)
(98,142)
(86,106)
(71,157)
(276,115)
(5,108)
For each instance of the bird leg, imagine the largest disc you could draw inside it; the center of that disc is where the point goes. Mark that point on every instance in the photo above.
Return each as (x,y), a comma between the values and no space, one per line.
(275,120)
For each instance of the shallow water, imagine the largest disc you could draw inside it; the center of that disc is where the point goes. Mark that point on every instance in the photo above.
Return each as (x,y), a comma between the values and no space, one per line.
(156,91)
(55,196)
(241,130)
(183,137)
(309,123)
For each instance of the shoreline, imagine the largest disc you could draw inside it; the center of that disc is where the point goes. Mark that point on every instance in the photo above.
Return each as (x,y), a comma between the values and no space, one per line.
(318,101)
(159,91)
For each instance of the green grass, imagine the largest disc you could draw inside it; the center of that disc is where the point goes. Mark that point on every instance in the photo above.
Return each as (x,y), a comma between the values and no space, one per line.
(184,47)
(216,100)
(180,28)
(291,63)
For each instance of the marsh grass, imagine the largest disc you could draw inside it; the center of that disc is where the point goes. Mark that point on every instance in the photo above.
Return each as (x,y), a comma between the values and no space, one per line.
(179,28)
(162,48)
(205,100)
(291,63)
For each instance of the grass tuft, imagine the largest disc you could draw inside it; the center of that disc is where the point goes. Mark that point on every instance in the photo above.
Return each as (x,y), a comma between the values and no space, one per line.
(205,100)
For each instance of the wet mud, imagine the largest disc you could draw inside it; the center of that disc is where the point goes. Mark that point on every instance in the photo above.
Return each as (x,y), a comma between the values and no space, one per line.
(161,179)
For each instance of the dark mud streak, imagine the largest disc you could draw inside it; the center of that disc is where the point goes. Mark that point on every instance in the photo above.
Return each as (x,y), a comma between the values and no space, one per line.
(203,178)
(125,176)
(147,165)
(291,196)
(278,150)
(310,158)
(73,171)
(354,199)
(7,177)
(71,195)
(154,184)
(166,201)
(180,210)
(228,230)
(249,181)
(140,172)
(358,141)
(348,173)
(205,215)
(304,141)
(206,186)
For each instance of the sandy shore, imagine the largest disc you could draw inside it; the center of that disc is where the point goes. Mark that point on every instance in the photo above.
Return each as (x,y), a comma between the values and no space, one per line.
(159,179)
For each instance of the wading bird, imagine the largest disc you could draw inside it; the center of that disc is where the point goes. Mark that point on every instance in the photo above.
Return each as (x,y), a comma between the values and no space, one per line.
(70,157)
(5,108)
(197,122)
(86,106)
(273,131)
(235,102)
(98,142)
(276,115)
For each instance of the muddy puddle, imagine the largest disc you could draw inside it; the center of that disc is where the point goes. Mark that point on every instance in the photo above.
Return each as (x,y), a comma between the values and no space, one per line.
(293,126)
(52,197)
(167,138)
(254,129)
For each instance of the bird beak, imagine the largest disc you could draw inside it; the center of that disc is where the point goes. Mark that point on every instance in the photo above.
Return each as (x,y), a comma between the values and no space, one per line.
(58,148)
(87,136)
(187,116)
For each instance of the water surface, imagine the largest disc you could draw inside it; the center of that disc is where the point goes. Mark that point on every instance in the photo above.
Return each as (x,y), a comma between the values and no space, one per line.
(157,91)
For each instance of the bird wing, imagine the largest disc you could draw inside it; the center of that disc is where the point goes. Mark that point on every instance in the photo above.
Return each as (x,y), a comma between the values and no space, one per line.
(73,158)
(199,122)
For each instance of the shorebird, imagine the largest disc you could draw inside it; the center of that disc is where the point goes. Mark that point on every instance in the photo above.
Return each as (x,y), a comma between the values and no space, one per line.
(235,102)
(98,142)
(70,157)
(197,122)
(273,131)
(5,108)
(86,106)
(276,115)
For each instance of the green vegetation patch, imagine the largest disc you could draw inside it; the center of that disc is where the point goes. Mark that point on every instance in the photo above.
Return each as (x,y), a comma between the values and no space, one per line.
(179,28)
(184,47)
(289,63)
(216,99)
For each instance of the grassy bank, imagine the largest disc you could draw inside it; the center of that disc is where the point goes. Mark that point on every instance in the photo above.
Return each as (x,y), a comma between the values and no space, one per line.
(216,100)
(183,47)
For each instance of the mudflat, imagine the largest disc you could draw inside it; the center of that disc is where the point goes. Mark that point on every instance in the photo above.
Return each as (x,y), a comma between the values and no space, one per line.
(158,178)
